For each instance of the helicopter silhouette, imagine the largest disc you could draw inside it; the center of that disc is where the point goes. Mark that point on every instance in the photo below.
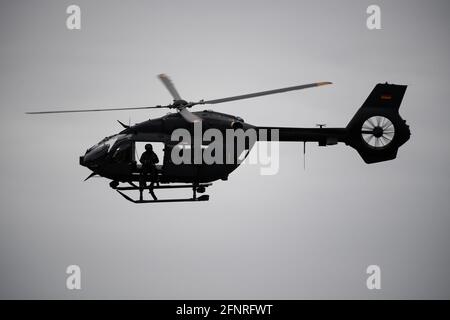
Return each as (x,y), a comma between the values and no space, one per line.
(376,132)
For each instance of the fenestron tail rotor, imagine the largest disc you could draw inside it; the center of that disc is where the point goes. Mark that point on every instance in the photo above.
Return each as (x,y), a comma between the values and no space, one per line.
(182,105)
(378,132)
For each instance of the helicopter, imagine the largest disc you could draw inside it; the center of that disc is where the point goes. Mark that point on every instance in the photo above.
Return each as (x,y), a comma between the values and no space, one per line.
(376,132)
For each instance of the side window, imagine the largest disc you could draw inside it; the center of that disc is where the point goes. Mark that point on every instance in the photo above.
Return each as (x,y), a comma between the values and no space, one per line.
(123,153)
(158,148)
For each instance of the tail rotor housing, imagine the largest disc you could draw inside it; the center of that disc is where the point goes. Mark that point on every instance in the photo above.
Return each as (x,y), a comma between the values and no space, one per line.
(377,130)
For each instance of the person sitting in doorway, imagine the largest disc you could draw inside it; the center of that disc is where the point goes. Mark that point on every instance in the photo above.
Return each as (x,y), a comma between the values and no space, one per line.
(149,159)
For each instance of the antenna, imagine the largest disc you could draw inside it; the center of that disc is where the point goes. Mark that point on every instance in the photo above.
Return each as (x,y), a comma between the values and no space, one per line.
(304,155)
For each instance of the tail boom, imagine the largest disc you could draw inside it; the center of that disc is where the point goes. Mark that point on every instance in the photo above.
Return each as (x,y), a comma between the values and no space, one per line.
(376,131)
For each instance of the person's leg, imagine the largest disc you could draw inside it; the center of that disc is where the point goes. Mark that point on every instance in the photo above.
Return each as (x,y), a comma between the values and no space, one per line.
(156,177)
(142,178)
(150,190)
(153,178)
(142,182)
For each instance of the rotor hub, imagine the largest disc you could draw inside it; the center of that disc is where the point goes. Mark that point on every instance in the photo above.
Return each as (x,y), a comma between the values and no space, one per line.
(378,132)
(179,103)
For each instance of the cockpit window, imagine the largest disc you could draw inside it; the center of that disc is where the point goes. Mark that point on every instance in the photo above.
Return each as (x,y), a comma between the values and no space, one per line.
(110,141)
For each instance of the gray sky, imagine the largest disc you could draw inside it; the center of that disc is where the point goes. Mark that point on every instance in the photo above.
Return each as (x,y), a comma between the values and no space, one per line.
(298,234)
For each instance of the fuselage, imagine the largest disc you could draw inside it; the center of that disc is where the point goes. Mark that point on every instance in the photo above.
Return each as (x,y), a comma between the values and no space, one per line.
(115,158)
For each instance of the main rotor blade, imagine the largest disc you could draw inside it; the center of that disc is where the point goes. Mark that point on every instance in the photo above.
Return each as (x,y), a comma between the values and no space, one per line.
(263,93)
(169,85)
(189,116)
(93,110)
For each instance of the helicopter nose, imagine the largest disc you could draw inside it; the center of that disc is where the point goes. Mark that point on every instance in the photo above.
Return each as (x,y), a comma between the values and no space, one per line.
(93,156)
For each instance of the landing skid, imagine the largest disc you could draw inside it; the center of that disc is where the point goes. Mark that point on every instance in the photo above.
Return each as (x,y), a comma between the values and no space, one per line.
(200,188)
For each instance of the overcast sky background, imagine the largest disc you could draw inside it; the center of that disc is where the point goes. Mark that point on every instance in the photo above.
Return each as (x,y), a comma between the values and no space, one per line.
(298,234)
